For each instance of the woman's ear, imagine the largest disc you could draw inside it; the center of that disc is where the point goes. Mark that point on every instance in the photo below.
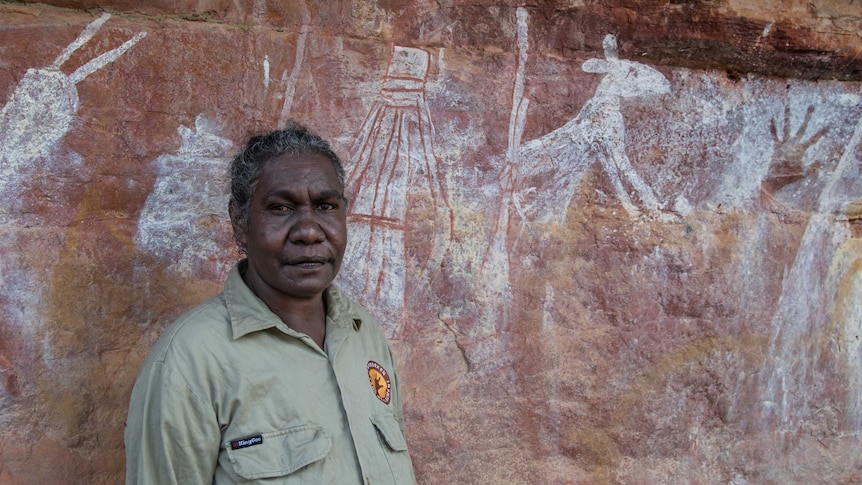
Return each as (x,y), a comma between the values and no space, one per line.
(239,226)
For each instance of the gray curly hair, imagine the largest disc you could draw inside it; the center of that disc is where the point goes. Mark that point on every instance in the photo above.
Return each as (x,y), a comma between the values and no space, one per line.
(246,166)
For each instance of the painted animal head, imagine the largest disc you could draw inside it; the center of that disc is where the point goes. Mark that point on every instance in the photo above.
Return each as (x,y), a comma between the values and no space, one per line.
(625,79)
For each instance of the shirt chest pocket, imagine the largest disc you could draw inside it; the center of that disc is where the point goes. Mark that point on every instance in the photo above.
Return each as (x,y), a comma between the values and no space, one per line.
(278,453)
(394,450)
(389,429)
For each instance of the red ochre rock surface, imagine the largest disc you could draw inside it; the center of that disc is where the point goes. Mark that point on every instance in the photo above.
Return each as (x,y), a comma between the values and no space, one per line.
(649,275)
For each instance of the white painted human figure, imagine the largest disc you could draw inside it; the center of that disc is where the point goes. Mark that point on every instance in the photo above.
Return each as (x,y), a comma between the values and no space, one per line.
(392,163)
(597,132)
(42,108)
(184,221)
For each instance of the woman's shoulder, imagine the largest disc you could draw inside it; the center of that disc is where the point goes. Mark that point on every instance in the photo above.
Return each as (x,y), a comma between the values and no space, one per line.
(200,329)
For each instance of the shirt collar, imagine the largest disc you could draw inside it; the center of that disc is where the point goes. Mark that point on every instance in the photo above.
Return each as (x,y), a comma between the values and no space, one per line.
(248,313)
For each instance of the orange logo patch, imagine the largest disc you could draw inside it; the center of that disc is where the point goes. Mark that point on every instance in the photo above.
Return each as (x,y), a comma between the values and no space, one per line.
(380,382)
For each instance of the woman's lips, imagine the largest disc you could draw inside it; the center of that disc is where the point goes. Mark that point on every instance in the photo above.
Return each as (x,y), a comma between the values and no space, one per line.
(307,262)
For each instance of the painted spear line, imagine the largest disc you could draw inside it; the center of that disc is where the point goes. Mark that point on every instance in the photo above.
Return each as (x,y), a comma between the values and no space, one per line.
(100,61)
(290,82)
(496,263)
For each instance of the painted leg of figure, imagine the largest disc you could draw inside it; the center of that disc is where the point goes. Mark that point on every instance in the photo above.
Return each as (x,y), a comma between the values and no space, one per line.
(611,170)
(644,190)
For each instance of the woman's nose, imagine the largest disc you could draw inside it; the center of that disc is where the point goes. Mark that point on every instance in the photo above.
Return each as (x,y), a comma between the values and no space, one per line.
(306,228)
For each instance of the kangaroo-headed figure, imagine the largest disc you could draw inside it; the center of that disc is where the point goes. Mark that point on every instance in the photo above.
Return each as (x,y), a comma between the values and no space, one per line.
(42,107)
(598,132)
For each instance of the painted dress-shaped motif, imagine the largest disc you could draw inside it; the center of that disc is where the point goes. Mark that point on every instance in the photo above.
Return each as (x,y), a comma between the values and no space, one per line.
(393,182)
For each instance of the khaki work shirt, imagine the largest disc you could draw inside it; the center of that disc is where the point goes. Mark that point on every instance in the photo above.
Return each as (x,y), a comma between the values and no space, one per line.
(230,394)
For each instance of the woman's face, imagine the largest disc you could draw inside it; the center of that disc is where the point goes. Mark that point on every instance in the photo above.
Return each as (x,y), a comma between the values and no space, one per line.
(297,229)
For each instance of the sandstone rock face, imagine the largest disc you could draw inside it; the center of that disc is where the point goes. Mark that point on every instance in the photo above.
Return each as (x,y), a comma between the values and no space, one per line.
(627,246)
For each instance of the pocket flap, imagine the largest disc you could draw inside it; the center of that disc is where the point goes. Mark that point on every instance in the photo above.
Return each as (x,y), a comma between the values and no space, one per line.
(281,452)
(389,428)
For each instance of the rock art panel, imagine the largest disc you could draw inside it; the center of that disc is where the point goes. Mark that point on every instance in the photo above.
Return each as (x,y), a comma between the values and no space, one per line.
(614,267)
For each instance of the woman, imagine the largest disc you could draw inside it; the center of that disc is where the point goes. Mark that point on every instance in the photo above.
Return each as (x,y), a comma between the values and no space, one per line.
(280,377)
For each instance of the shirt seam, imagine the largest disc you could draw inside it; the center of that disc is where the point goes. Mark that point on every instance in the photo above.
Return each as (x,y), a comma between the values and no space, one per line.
(176,373)
(188,319)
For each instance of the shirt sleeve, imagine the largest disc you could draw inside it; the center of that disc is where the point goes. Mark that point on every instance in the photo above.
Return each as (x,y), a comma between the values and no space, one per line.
(172,435)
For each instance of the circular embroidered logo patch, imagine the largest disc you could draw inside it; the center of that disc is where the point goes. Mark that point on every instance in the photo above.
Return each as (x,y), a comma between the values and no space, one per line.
(379,381)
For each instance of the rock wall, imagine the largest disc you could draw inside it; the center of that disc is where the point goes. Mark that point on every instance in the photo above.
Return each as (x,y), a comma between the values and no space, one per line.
(627,244)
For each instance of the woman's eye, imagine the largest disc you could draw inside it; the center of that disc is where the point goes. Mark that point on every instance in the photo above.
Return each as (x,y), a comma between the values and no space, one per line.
(280,208)
(326,206)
